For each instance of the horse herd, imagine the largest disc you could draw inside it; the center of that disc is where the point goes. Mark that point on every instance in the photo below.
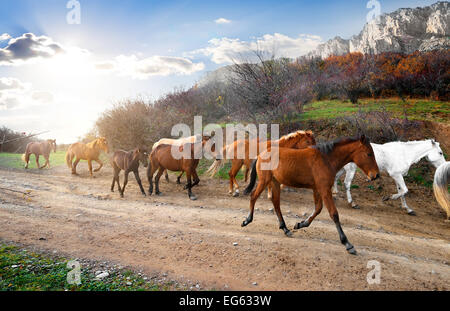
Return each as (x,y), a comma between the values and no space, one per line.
(302,163)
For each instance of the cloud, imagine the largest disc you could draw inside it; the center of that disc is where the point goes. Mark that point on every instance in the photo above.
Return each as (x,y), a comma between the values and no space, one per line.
(15,94)
(4,37)
(226,50)
(143,68)
(28,47)
(222,21)
(11,84)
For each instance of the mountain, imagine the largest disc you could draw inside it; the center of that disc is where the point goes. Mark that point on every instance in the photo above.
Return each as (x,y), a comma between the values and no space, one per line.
(405,30)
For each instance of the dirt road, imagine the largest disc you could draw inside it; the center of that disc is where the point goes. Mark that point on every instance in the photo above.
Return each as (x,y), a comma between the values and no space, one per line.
(79,216)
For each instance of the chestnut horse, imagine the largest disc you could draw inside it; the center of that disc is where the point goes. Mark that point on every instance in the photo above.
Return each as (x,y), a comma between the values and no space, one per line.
(89,152)
(296,140)
(129,162)
(39,148)
(314,168)
(161,159)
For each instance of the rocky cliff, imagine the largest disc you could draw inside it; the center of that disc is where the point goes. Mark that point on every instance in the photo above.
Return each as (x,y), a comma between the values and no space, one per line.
(405,30)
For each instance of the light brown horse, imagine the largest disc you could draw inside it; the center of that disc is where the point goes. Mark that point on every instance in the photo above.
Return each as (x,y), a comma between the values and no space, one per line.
(89,152)
(314,168)
(162,159)
(296,140)
(39,148)
(129,162)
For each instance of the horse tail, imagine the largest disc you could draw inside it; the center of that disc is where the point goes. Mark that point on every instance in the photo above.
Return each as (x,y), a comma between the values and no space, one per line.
(218,163)
(441,179)
(252,183)
(24,158)
(69,158)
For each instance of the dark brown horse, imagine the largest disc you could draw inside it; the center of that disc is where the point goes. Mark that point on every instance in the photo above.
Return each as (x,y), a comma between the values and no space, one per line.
(129,162)
(314,168)
(162,159)
(42,148)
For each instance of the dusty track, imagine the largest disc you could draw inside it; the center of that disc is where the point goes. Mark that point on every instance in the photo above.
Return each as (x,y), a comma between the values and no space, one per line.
(80,217)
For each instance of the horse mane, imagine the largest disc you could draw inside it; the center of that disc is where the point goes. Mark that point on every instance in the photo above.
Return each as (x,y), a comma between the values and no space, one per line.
(328,146)
(295,135)
(92,143)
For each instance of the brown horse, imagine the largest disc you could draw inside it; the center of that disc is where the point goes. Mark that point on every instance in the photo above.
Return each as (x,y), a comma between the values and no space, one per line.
(161,159)
(129,162)
(296,140)
(89,152)
(39,148)
(314,168)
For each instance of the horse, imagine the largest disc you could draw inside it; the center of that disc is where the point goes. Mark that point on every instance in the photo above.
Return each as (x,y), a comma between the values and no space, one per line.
(89,152)
(395,158)
(296,140)
(176,142)
(129,162)
(39,148)
(440,184)
(315,168)
(161,159)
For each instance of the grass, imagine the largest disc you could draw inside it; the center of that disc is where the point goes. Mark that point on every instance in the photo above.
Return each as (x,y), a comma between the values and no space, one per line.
(417,109)
(22,270)
(14,160)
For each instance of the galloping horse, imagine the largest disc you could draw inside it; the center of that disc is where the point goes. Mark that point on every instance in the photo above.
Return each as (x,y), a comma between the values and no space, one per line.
(395,158)
(296,140)
(129,162)
(315,168)
(42,148)
(89,152)
(440,184)
(161,159)
(176,142)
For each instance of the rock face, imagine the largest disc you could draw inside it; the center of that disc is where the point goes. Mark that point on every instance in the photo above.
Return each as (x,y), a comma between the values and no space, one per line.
(405,31)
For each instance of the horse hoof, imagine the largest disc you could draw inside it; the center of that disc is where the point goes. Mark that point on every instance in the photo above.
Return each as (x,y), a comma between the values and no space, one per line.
(193,197)
(245,223)
(288,233)
(236,194)
(356,207)
(299,225)
(412,213)
(158,193)
(352,251)
(386,198)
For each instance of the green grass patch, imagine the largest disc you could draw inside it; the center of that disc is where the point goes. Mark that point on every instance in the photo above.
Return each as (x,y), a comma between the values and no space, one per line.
(14,160)
(417,109)
(22,270)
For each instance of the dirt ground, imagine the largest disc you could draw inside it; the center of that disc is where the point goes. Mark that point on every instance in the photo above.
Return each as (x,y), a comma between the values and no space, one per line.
(196,240)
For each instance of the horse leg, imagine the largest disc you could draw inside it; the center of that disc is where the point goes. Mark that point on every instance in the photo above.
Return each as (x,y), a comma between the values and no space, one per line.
(350,174)
(402,190)
(235,167)
(27,159)
(158,176)
(90,167)
(329,203)
(196,179)
(125,182)
(318,208)
(36,156)
(269,191)
(179,178)
(189,186)
(48,161)
(116,175)
(248,165)
(276,193)
(150,171)
(74,166)
(338,175)
(262,183)
(138,179)
(166,175)
(99,162)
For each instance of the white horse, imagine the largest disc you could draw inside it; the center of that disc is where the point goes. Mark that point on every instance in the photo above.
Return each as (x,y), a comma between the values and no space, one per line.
(395,158)
(441,179)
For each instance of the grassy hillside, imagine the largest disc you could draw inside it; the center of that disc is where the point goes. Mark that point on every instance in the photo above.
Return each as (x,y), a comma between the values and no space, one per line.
(14,160)
(417,109)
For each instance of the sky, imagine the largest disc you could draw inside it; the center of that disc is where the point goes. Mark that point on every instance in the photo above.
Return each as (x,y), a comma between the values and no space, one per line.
(59,70)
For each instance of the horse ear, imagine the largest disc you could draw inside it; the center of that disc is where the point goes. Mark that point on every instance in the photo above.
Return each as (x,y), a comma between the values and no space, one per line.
(363,138)
(433,142)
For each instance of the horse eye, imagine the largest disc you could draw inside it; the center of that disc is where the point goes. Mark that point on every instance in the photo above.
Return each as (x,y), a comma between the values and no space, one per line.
(370,154)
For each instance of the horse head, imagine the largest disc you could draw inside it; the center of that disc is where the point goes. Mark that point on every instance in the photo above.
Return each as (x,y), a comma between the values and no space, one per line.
(364,157)
(52,143)
(101,144)
(142,156)
(435,156)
